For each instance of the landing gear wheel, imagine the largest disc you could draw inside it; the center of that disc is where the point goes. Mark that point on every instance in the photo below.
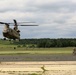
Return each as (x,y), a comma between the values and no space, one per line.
(19,39)
(4,38)
(14,39)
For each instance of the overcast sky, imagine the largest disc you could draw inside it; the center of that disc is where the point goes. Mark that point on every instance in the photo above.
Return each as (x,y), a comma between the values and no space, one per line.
(56,18)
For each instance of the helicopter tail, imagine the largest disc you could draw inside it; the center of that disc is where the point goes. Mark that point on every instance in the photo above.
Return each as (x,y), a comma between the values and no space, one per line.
(15,25)
(15,22)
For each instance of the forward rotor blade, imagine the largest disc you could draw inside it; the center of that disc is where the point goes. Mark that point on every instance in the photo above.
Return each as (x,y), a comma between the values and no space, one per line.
(2,23)
(5,23)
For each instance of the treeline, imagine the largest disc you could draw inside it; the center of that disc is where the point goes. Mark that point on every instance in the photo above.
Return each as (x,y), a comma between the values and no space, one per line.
(47,43)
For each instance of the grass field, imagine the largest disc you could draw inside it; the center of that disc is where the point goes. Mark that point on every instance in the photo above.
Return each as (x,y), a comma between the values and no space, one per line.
(9,49)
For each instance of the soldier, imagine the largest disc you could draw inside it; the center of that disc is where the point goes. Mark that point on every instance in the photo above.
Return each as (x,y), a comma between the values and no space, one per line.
(74,51)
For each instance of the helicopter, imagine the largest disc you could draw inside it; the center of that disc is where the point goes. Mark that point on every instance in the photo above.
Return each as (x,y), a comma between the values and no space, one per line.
(13,33)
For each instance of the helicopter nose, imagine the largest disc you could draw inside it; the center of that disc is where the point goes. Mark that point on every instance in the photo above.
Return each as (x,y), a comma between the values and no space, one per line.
(5,31)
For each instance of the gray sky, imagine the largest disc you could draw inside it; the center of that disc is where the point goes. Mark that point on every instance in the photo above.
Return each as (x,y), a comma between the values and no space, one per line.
(56,18)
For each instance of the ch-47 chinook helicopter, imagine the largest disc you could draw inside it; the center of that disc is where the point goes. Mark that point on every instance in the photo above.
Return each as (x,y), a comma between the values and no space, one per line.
(15,32)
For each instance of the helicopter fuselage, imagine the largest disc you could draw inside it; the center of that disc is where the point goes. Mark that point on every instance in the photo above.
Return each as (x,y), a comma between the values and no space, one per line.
(11,33)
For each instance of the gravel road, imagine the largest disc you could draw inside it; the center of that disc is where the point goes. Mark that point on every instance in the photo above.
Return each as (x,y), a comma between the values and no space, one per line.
(38,57)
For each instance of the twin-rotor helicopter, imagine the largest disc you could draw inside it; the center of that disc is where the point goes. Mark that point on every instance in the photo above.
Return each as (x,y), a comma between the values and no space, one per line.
(13,33)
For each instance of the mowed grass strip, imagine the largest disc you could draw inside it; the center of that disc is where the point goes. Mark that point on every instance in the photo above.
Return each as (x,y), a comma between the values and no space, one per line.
(23,50)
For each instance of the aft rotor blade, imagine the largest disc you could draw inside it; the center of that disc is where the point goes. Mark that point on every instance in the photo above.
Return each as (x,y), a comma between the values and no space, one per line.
(26,22)
(27,25)
(22,22)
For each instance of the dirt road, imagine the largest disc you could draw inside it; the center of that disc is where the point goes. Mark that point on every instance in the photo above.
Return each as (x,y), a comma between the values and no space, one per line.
(36,64)
(28,68)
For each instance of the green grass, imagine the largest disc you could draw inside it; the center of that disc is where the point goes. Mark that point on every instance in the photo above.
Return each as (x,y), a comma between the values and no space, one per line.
(7,47)
(23,50)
